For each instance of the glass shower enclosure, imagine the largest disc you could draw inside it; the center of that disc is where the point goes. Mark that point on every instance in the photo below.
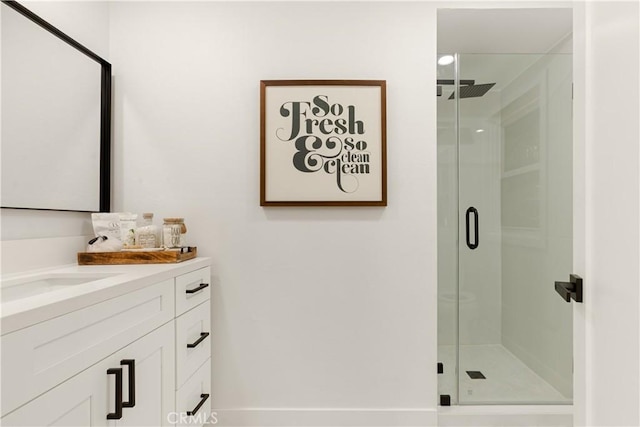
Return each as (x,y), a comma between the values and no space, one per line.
(504,228)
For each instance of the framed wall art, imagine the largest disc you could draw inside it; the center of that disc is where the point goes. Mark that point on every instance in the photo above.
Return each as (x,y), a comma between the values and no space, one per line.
(323,143)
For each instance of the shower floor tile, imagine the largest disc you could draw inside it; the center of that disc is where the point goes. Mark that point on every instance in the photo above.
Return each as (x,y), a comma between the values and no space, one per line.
(508,380)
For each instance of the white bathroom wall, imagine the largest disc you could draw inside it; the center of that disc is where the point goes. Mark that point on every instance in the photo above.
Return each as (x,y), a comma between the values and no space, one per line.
(607,106)
(320,314)
(88,23)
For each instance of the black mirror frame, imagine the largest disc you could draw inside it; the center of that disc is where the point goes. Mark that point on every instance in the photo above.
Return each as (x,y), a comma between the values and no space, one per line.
(105,105)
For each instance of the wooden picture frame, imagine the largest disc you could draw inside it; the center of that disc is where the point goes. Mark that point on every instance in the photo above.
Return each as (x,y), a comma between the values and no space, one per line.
(323,143)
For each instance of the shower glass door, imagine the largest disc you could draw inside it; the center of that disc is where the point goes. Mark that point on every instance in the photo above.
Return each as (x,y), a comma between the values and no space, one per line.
(505,224)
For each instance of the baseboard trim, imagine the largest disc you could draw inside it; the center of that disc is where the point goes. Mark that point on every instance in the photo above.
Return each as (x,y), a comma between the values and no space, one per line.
(325,417)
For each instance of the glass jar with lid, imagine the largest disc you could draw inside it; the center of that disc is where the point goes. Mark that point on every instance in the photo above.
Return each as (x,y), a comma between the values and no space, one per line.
(173,231)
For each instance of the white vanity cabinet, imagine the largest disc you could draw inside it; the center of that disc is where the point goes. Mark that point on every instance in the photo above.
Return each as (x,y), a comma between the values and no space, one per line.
(116,362)
(88,398)
(193,349)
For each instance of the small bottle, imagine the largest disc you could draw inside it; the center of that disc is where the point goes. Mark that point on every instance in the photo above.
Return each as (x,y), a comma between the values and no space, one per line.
(148,235)
(173,231)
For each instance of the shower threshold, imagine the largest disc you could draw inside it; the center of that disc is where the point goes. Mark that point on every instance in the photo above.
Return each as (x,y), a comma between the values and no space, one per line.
(506,415)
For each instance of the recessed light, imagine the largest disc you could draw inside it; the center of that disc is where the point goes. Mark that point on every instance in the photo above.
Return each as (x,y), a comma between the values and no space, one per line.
(479,130)
(446,60)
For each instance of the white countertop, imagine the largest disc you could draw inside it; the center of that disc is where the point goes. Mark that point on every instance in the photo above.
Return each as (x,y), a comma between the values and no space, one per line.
(21,313)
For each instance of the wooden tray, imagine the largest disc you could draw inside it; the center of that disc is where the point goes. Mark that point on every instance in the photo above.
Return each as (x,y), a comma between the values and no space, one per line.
(137,257)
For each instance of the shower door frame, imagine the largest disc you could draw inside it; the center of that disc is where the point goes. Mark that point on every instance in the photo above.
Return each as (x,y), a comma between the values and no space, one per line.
(484,166)
(578,231)
(591,363)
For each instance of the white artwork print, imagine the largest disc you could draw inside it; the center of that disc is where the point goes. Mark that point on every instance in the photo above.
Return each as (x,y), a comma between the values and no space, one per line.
(323,143)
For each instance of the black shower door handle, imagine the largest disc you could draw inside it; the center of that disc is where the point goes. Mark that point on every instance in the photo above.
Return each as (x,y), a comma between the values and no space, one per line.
(476,229)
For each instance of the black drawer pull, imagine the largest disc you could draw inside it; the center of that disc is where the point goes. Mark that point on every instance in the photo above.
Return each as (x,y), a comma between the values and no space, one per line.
(203,335)
(203,398)
(118,413)
(131,363)
(198,289)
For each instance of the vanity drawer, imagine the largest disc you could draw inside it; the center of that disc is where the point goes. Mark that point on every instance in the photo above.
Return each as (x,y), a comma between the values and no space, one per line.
(193,342)
(196,391)
(38,358)
(192,289)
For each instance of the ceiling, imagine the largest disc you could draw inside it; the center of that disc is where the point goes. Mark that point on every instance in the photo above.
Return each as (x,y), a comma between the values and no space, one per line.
(502,30)
(498,44)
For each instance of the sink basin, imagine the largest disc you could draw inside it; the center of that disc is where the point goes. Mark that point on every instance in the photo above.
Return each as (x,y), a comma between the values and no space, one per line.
(19,288)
